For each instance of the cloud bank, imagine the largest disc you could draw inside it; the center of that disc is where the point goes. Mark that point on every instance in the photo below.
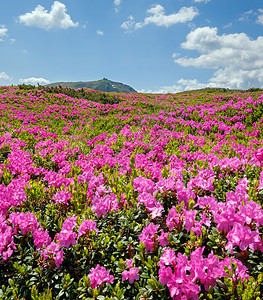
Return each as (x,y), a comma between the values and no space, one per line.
(180,86)
(34,81)
(4,77)
(236,58)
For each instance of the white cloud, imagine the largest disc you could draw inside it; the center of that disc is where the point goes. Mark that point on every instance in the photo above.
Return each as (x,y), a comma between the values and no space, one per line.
(180,86)
(252,16)
(25,52)
(128,25)
(12,41)
(193,84)
(260,17)
(3,32)
(34,81)
(159,18)
(4,76)
(164,90)
(117,4)
(237,78)
(245,17)
(100,32)
(237,59)
(228,25)
(57,18)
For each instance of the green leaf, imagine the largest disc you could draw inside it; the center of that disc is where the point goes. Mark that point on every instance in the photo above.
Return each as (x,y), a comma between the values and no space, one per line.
(145,275)
(227,271)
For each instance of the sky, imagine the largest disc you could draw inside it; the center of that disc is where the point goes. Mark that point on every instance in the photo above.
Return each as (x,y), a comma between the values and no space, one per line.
(162,46)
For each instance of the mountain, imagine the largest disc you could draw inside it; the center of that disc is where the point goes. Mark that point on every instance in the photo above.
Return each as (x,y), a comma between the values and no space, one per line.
(103,85)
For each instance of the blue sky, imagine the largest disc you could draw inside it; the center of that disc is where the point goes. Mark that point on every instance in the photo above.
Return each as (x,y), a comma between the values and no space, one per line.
(154,46)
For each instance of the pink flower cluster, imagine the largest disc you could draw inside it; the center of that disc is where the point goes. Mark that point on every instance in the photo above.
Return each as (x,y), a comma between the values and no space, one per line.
(67,236)
(53,251)
(148,236)
(16,224)
(132,274)
(87,226)
(236,216)
(146,187)
(181,275)
(62,196)
(187,219)
(7,244)
(98,275)
(12,195)
(103,204)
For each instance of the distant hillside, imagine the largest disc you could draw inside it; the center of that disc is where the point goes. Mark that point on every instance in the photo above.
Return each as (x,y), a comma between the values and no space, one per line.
(103,85)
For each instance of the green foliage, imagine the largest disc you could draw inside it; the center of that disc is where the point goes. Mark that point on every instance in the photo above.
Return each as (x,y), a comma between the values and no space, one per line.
(96,96)
(236,289)
(46,295)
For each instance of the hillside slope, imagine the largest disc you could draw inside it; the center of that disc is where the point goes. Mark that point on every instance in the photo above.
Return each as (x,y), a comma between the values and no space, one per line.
(103,85)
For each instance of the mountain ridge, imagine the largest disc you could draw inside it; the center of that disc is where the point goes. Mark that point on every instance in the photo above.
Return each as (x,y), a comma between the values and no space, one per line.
(103,85)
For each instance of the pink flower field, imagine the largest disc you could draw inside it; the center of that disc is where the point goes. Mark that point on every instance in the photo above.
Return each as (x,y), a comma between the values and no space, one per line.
(130,196)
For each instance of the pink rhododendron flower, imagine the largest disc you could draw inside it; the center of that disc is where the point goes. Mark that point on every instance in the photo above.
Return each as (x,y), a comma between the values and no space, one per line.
(182,274)
(167,258)
(98,275)
(259,154)
(102,205)
(203,180)
(243,237)
(25,222)
(142,184)
(173,218)
(57,180)
(86,226)
(225,219)
(58,258)
(241,271)
(147,236)
(163,238)
(189,219)
(53,251)
(166,184)
(20,162)
(7,244)
(147,199)
(41,238)
(62,197)
(12,195)
(67,237)
(249,213)
(183,194)
(165,275)
(156,210)
(189,290)
(151,204)
(131,275)
(129,262)
(126,131)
